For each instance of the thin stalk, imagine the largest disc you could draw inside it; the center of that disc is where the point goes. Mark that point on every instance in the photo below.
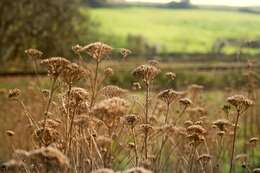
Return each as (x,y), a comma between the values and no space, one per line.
(135,149)
(94,85)
(146,119)
(48,105)
(234,142)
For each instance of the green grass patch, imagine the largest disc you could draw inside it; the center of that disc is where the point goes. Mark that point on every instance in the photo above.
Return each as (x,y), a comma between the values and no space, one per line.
(176,30)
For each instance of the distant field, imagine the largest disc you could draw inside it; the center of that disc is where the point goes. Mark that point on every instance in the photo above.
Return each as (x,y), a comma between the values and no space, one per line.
(192,30)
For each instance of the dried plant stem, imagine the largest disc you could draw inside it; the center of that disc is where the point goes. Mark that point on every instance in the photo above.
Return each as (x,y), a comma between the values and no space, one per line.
(193,150)
(94,87)
(234,142)
(27,114)
(146,118)
(135,149)
(48,105)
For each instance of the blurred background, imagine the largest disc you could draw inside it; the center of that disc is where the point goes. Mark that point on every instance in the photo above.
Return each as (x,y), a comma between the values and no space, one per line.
(214,38)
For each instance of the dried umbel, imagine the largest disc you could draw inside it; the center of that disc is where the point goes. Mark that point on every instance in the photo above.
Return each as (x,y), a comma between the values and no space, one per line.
(240,102)
(195,87)
(51,123)
(78,94)
(12,165)
(45,136)
(111,109)
(204,158)
(73,73)
(77,48)
(9,133)
(137,170)
(253,141)
(170,75)
(50,157)
(97,50)
(136,86)
(110,91)
(153,62)
(256,170)
(55,65)
(196,129)
(221,124)
(130,119)
(103,141)
(33,53)
(14,93)
(125,52)
(185,102)
(168,96)
(146,72)
(108,71)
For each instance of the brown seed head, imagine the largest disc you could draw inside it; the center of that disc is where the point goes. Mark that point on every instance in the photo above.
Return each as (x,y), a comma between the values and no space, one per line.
(241,102)
(185,101)
(10,133)
(33,53)
(97,50)
(110,91)
(55,65)
(14,93)
(110,109)
(125,52)
(146,72)
(108,71)
(170,75)
(168,96)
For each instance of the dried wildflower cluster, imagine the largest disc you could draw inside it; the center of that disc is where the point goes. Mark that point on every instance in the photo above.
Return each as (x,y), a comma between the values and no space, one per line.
(87,126)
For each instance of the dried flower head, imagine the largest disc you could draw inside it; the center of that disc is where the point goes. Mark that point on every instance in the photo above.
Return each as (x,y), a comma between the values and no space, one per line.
(170,75)
(242,158)
(79,94)
(103,141)
(196,129)
(146,72)
(50,157)
(77,49)
(221,124)
(125,52)
(136,86)
(14,93)
(204,158)
(10,133)
(45,136)
(33,53)
(154,62)
(196,87)
(97,50)
(240,102)
(188,123)
(168,96)
(130,119)
(73,73)
(256,170)
(110,109)
(110,91)
(55,65)
(185,101)
(108,71)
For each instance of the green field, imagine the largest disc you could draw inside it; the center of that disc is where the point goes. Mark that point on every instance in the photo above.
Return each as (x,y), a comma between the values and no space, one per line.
(176,30)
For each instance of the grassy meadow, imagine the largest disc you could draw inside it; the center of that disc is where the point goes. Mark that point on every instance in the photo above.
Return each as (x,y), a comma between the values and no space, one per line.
(176,30)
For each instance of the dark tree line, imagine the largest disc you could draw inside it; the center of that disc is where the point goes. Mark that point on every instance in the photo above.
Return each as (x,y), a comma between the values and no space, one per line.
(52,26)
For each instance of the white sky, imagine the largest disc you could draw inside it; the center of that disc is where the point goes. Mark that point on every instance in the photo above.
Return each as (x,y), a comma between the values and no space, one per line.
(212,2)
